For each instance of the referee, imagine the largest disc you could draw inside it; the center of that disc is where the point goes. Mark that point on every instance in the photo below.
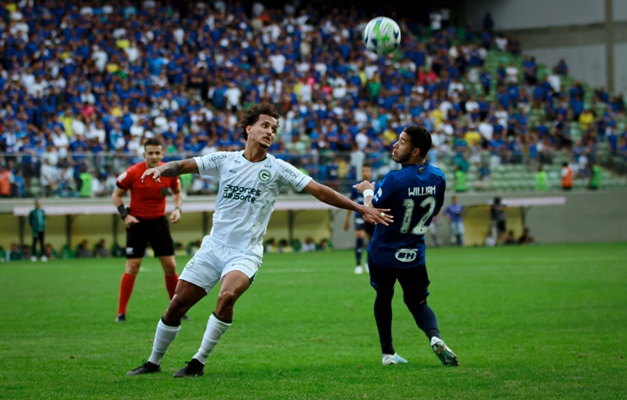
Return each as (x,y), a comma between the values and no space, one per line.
(146,222)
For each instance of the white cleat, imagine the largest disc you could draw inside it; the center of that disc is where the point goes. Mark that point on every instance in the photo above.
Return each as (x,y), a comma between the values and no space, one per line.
(393,359)
(33,258)
(44,258)
(446,355)
(359,270)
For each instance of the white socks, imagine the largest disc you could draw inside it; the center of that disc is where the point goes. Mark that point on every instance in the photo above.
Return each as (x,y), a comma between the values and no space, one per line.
(213,333)
(163,337)
(166,334)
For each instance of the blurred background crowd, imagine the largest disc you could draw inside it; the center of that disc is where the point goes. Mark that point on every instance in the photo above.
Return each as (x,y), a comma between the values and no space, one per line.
(83,84)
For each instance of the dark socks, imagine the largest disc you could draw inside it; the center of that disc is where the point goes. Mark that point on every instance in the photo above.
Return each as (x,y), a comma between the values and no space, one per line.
(425,319)
(383,317)
(359,249)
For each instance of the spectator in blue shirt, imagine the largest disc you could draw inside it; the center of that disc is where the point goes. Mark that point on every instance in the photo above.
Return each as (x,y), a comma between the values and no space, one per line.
(562,68)
(455,213)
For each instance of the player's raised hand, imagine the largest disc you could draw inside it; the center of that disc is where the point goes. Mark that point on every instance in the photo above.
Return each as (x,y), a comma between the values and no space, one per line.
(154,172)
(362,186)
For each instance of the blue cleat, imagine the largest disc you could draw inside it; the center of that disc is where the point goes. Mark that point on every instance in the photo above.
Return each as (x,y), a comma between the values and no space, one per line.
(389,359)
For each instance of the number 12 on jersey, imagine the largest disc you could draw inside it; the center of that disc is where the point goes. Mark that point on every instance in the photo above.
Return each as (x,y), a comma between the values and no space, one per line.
(426,209)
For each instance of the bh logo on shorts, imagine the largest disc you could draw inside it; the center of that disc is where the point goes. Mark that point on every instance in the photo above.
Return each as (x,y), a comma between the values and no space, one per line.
(264,175)
(406,255)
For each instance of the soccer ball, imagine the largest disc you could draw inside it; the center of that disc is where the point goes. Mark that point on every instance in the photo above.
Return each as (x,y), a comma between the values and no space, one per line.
(382,35)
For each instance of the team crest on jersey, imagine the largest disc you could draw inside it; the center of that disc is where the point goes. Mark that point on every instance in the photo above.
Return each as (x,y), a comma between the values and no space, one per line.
(264,175)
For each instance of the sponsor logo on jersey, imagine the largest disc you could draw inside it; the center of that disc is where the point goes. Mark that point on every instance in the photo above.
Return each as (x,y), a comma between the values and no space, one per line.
(215,157)
(288,172)
(241,193)
(406,255)
(264,175)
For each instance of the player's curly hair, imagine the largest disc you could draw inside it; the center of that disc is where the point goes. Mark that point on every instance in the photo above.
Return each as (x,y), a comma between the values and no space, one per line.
(251,115)
(420,137)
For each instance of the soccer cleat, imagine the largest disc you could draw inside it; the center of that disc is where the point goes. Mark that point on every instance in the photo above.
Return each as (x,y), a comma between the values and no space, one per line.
(366,269)
(389,359)
(359,270)
(192,369)
(445,354)
(44,258)
(33,258)
(146,368)
(120,318)
(185,318)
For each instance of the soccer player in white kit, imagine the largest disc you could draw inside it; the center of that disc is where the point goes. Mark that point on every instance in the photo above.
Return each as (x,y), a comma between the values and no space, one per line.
(232,253)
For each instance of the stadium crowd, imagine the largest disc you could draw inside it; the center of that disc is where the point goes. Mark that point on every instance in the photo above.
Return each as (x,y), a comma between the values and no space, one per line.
(83,84)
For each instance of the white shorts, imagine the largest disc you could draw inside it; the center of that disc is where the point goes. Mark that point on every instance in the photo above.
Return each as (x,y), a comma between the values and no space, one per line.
(214,260)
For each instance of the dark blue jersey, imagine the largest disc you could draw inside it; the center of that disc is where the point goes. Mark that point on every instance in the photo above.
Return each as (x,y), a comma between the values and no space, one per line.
(414,194)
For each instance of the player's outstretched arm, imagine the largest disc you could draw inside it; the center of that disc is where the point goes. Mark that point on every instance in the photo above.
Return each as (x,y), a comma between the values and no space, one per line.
(172,168)
(346,221)
(329,196)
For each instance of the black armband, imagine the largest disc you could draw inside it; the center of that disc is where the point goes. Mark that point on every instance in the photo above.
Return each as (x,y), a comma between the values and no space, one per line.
(123,211)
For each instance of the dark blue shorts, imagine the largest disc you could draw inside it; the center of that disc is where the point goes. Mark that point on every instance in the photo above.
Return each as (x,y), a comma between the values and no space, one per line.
(414,281)
(362,225)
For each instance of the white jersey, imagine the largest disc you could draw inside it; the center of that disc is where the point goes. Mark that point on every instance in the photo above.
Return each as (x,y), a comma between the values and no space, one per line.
(247,195)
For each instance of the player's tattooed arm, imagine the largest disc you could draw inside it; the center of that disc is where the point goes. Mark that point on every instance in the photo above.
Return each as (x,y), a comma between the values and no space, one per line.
(176,168)
(172,168)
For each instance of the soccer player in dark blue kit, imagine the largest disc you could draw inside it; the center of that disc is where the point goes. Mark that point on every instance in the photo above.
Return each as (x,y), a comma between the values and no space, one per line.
(397,252)
(363,229)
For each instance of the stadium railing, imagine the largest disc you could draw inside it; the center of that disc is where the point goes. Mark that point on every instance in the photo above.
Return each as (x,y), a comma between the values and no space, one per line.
(32,176)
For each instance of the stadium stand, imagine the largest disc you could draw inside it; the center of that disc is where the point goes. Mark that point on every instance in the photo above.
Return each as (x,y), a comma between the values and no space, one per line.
(83,84)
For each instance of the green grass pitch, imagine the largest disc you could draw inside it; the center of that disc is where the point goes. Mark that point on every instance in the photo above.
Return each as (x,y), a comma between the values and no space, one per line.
(539,322)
